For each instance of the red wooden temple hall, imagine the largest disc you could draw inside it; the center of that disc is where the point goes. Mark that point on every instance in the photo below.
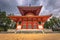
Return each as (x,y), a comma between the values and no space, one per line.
(30,18)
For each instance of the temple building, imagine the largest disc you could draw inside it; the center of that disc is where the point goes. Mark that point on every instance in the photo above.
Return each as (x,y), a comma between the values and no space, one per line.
(30,18)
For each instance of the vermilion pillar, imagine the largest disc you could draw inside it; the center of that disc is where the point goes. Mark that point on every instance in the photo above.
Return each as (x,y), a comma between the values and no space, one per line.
(26,24)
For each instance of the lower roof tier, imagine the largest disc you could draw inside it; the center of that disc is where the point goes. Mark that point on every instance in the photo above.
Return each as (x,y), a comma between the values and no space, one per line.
(29,18)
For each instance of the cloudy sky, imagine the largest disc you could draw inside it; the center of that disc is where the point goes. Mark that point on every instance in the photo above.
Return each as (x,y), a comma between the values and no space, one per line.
(49,6)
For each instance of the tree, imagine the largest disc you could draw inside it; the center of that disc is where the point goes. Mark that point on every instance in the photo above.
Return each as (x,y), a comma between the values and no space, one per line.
(53,21)
(4,20)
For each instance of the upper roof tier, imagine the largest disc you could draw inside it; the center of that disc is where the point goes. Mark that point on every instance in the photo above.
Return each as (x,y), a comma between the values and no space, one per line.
(29,9)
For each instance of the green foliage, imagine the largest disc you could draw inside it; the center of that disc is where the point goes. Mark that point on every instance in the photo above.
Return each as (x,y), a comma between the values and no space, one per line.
(54,20)
(4,21)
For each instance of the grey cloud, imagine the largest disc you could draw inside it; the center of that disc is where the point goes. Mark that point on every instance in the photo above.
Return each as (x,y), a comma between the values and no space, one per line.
(49,6)
(10,6)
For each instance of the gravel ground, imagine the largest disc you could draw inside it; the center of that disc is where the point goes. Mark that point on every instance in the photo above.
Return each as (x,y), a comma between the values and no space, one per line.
(33,36)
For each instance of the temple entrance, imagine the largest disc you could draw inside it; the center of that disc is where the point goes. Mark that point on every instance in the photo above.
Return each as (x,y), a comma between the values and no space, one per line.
(29,25)
(30,18)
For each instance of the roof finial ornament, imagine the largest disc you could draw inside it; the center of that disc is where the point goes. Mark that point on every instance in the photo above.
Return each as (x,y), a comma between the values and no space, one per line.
(29,4)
